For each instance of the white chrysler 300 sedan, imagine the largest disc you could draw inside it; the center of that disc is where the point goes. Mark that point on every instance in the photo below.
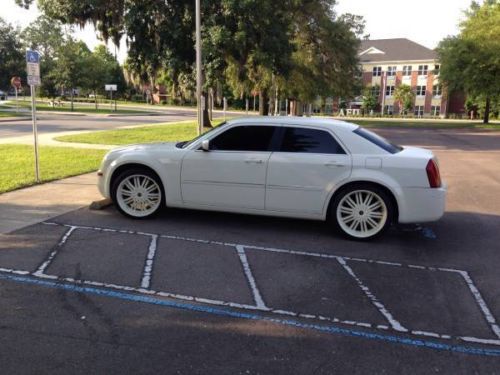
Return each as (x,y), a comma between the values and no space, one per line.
(292,167)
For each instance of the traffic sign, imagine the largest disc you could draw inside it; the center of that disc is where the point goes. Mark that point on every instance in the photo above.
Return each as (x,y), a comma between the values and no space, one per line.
(16,82)
(33,68)
(111,87)
(32,57)
(34,80)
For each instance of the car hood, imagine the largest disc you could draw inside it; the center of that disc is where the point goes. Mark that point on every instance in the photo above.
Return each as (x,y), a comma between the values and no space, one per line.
(145,147)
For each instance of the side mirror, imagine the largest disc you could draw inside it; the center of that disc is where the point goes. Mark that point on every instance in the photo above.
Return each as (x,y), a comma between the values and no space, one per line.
(205,145)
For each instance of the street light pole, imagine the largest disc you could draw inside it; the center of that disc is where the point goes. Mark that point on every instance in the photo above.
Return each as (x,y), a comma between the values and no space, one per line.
(198,67)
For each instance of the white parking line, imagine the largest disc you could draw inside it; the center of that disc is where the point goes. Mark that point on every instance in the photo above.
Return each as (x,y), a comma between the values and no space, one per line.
(375,301)
(482,304)
(40,270)
(259,302)
(148,266)
(260,305)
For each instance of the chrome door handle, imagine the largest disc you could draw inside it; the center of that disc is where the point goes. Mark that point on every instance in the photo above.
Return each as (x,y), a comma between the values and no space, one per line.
(335,164)
(255,161)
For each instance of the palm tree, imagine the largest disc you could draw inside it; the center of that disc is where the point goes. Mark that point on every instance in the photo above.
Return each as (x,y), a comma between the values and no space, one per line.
(404,96)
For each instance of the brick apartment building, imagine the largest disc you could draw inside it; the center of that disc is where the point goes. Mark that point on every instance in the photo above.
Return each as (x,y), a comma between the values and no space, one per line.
(388,63)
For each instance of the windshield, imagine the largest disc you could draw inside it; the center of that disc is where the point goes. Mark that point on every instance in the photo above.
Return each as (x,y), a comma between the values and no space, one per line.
(185,144)
(378,140)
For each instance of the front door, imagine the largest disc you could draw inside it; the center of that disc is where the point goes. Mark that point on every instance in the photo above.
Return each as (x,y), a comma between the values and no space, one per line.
(232,173)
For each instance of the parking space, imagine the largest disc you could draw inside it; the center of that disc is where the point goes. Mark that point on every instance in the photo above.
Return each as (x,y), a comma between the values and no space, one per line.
(269,288)
(372,294)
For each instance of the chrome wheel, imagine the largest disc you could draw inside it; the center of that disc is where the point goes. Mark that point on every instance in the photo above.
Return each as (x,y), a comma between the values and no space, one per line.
(361,213)
(138,195)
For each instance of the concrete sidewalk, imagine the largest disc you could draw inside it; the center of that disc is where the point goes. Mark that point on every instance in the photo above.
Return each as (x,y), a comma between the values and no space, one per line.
(31,205)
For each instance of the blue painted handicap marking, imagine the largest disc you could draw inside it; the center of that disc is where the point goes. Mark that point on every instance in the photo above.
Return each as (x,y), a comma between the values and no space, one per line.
(328,329)
(32,57)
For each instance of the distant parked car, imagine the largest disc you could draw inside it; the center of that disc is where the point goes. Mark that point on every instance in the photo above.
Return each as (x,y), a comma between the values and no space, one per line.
(293,167)
(3,95)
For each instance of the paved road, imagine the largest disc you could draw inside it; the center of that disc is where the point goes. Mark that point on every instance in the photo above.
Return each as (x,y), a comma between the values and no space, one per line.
(49,123)
(198,292)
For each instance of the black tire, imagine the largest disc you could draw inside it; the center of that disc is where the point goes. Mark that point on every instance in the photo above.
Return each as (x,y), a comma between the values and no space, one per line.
(361,187)
(142,172)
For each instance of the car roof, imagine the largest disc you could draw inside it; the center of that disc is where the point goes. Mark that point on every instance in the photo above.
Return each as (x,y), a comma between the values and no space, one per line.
(294,120)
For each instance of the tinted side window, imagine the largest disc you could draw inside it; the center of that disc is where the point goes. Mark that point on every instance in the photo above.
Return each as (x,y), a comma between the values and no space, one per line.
(244,138)
(310,141)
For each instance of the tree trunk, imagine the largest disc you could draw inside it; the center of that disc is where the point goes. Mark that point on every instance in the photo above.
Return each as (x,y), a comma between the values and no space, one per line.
(72,94)
(95,99)
(206,115)
(486,118)
(211,103)
(263,103)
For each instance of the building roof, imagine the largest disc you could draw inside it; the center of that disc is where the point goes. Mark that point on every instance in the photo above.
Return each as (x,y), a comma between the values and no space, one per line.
(399,49)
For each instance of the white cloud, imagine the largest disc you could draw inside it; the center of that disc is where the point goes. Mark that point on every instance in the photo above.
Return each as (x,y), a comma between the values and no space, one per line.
(423,21)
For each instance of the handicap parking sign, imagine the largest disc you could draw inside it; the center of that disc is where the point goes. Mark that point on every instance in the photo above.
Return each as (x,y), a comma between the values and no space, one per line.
(32,57)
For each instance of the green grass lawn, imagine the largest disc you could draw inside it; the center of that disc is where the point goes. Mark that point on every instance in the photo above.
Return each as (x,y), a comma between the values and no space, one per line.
(168,132)
(11,114)
(78,107)
(17,166)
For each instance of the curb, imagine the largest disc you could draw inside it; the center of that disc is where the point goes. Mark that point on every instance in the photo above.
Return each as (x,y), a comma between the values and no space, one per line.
(101,204)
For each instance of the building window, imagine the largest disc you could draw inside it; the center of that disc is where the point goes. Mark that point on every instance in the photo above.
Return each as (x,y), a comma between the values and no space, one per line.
(435,110)
(421,90)
(436,90)
(377,71)
(407,70)
(419,110)
(422,70)
(376,91)
(389,109)
(391,70)
(389,90)
(437,67)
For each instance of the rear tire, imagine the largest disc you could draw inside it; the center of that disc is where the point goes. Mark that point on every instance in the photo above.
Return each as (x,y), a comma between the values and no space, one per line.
(137,193)
(362,212)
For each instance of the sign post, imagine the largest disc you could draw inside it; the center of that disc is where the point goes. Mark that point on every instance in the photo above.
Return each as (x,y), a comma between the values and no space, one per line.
(111,88)
(33,70)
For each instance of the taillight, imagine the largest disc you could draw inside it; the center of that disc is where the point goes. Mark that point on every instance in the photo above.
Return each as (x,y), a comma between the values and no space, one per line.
(433,174)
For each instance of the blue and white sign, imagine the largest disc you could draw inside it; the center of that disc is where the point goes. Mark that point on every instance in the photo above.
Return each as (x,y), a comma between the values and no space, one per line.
(33,68)
(32,57)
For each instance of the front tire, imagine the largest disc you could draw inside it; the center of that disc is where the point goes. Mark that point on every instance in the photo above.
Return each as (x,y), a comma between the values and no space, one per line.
(137,193)
(362,212)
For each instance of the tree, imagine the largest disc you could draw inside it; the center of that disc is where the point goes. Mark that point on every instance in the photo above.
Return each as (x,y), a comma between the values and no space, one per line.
(100,67)
(405,97)
(12,60)
(370,98)
(299,46)
(69,66)
(471,60)
(325,61)
(47,37)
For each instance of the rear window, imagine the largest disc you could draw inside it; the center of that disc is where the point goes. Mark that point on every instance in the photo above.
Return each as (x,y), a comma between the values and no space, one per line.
(378,140)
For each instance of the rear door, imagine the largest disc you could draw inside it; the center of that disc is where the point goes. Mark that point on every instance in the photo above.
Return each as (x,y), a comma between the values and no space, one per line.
(233,172)
(307,166)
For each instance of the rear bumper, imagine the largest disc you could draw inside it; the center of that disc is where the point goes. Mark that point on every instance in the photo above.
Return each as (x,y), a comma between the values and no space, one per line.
(420,205)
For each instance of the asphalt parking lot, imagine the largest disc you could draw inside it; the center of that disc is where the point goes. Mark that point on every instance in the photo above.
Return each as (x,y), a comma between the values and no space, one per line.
(200,292)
